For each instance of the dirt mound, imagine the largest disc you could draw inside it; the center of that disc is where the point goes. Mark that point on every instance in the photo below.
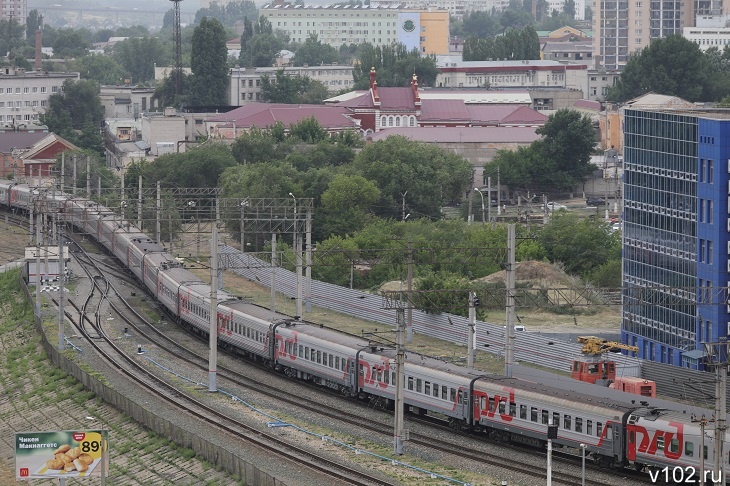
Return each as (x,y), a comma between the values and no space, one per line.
(539,274)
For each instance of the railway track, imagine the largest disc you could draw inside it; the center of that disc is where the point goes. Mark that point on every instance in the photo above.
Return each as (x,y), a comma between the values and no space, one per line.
(121,360)
(147,331)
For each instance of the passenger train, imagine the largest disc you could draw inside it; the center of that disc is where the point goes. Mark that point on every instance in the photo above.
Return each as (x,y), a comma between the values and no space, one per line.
(616,431)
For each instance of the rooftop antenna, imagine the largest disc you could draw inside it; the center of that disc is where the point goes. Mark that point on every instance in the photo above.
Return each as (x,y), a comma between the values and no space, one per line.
(178,49)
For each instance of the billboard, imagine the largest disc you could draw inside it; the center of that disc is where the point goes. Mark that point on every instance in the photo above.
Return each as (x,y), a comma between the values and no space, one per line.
(61,454)
(409,30)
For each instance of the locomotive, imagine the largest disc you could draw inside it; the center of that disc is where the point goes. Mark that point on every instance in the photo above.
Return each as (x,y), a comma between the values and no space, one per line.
(653,435)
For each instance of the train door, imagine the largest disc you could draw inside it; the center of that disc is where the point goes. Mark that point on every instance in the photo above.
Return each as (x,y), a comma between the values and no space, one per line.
(351,375)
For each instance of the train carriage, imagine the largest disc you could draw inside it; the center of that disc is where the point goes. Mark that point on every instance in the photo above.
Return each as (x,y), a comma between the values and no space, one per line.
(660,438)
(615,430)
(314,354)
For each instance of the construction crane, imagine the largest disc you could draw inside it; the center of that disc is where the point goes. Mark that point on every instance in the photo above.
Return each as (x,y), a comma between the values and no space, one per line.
(597,369)
(593,345)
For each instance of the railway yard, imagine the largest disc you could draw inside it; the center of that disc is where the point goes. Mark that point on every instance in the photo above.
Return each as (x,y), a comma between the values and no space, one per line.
(275,423)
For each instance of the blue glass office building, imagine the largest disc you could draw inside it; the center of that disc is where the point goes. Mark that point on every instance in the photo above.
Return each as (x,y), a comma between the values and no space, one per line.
(675,232)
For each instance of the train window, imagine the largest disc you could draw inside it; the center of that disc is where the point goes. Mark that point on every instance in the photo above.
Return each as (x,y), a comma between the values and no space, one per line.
(427,388)
(523,412)
(578,424)
(545,415)
(387,377)
(567,422)
(599,429)
(319,357)
(331,361)
(452,392)
(512,409)
(380,375)
(306,353)
(491,404)
(705,451)
(362,371)
(419,385)
(674,445)
(301,351)
(460,397)
(589,427)
(324,359)
(337,362)
(410,383)
(482,402)
(435,390)
(556,418)
(502,407)
(533,414)
(444,392)
(392,377)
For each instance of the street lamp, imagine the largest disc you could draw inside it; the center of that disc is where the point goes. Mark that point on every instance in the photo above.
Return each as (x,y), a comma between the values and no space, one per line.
(583,464)
(484,220)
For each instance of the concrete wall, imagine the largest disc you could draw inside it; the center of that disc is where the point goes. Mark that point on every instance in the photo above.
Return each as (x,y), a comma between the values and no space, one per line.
(146,415)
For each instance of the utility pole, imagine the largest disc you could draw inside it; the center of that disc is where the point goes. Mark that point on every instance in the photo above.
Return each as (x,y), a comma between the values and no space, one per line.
(499,193)
(403,206)
(409,283)
(509,345)
(61,284)
(471,346)
(213,331)
(74,181)
(716,355)
(273,274)
(308,263)
(157,216)
(489,199)
(399,379)
(139,204)
(88,177)
(703,423)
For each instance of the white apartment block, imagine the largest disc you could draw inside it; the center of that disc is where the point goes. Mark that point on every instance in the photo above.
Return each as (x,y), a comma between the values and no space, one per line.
(245,83)
(710,31)
(456,8)
(24,95)
(15,9)
(426,30)
(454,73)
(621,28)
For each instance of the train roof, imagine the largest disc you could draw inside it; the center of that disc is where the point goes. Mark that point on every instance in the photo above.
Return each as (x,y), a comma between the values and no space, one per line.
(581,389)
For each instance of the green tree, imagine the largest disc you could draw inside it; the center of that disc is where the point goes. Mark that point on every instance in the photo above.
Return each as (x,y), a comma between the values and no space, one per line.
(292,89)
(314,53)
(70,43)
(261,145)
(76,108)
(347,204)
(32,24)
(481,25)
(514,45)
(197,167)
(138,56)
(209,64)
(580,244)
(558,162)
(308,130)
(429,175)
(395,66)
(229,13)
(102,69)
(672,66)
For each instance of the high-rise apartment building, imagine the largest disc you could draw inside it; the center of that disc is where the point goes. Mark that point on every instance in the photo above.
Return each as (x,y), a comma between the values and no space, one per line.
(15,9)
(426,30)
(623,27)
(675,232)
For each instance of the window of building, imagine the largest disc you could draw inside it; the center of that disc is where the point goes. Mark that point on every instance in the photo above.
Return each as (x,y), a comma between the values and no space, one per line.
(17,90)
(26,89)
(710,170)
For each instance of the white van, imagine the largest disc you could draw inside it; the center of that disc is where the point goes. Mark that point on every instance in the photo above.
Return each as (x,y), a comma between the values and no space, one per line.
(518,328)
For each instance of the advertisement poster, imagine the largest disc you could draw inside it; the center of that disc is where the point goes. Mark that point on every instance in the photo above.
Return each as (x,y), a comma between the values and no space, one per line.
(62,454)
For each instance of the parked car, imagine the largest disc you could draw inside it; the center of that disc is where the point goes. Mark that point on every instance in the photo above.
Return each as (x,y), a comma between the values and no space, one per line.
(595,201)
(553,206)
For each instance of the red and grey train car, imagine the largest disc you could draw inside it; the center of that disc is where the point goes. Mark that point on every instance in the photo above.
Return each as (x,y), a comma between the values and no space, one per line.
(615,430)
